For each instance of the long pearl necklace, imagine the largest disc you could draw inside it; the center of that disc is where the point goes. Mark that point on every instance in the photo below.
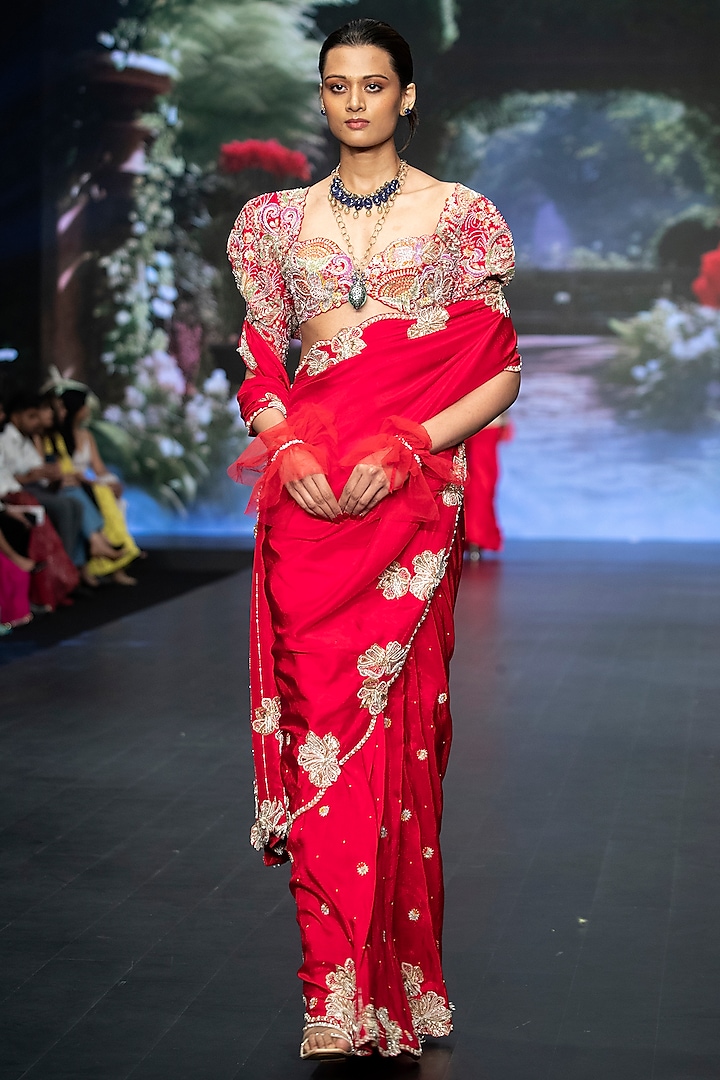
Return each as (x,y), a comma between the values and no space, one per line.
(343,201)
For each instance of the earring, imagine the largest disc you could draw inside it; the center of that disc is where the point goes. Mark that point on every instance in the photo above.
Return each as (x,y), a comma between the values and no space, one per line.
(322,110)
(408,110)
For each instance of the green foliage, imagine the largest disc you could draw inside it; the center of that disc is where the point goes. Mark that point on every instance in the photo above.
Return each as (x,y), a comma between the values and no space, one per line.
(166,441)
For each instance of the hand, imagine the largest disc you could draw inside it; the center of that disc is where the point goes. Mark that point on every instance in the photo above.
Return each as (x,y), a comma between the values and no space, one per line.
(116,488)
(315,496)
(368,485)
(52,471)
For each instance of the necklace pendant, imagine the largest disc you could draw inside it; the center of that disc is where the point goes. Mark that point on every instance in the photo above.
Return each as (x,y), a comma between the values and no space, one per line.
(358,293)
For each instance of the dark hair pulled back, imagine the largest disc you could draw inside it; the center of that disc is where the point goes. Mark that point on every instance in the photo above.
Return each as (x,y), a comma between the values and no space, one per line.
(73,400)
(382,36)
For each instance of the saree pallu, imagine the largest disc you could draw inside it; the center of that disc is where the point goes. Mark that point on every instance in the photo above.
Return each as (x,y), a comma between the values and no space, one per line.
(351,638)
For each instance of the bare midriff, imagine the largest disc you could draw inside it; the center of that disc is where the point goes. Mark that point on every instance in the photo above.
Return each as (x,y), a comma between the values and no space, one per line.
(324,327)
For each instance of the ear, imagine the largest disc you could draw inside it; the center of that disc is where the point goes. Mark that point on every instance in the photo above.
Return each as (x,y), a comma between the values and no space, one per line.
(409,97)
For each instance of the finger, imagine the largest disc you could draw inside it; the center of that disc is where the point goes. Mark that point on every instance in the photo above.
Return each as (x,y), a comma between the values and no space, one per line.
(323,493)
(377,498)
(378,485)
(314,500)
(349,488)
(300,497)
(356,491)
(317,499)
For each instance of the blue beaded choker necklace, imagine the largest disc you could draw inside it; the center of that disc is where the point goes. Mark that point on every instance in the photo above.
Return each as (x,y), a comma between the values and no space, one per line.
(350,201)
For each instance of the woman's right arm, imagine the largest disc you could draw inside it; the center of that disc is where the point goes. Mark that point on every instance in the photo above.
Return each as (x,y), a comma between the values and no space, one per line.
(264,394)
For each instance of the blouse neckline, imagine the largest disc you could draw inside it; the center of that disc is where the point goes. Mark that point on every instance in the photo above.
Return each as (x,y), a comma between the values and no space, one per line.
(437,234)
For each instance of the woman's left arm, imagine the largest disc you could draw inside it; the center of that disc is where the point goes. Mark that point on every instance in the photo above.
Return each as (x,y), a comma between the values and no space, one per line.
(473,412)
(102,475)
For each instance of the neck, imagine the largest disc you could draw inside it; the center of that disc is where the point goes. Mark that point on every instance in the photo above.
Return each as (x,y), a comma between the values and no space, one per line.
(363,171)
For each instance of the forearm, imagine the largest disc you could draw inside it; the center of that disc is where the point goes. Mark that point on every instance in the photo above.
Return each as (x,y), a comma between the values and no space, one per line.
(473,412)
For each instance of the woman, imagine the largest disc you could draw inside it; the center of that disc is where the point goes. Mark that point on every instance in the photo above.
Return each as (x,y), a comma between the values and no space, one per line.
(76,449)
(407,349)
(30,534)
(482,532)
(15,570)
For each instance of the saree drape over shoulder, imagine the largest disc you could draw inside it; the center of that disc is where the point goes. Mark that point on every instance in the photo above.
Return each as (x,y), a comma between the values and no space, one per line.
(352,620)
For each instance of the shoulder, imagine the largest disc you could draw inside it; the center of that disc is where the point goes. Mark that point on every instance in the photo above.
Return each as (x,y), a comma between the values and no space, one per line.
(471,209)
(275,214)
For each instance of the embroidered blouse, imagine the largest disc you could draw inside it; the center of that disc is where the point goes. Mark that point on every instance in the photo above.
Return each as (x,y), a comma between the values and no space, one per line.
(286,281)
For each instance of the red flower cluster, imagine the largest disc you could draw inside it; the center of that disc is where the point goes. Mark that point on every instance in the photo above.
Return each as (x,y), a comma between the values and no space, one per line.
(267,155)
(707,286)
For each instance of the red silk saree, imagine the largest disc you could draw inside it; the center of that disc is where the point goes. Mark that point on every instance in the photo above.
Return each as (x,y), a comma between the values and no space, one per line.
(352,620)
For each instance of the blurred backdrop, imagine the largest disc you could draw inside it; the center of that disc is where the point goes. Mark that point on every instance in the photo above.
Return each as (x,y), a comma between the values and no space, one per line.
(136,129)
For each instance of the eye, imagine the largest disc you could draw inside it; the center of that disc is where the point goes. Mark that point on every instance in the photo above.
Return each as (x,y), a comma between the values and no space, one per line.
(373,87)
(335,87)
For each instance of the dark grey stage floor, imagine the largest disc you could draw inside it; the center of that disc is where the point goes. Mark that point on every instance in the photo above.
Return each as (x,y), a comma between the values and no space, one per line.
(141,936)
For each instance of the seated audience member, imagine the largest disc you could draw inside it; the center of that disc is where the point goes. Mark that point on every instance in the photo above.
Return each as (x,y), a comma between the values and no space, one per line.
(67,441)
(30,534)
(33,475)
(72,511)
(15,570)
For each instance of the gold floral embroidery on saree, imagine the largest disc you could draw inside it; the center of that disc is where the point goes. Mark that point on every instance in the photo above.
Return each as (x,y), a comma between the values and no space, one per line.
(428,571)
(347,342)
(269,822)
(319,757)
(395,581)
(374,665)
(431,1016)
(266,717)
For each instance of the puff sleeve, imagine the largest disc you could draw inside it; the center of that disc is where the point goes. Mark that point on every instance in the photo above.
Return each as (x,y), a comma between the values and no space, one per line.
(254,250)
(485,256)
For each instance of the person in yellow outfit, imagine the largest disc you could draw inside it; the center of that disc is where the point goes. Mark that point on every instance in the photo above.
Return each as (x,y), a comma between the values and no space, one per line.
(73,446)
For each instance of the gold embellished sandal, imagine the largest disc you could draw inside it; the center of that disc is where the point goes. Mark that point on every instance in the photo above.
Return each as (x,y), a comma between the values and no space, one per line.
(323,1053)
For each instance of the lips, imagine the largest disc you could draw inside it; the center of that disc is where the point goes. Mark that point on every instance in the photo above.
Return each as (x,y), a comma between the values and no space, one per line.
(356,125)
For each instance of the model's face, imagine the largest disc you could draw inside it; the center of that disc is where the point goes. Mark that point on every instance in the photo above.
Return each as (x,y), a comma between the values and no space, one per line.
(362,95)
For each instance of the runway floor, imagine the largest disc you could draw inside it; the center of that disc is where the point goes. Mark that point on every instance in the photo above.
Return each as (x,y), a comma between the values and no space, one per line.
(141,936)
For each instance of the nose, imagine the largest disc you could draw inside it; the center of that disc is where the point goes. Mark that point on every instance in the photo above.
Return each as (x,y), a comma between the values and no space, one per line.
(355,102)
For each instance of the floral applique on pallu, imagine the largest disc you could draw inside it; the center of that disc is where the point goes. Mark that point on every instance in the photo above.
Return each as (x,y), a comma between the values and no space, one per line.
(352,620)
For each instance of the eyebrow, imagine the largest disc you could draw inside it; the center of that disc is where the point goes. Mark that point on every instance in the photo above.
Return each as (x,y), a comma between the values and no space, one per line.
(364,77)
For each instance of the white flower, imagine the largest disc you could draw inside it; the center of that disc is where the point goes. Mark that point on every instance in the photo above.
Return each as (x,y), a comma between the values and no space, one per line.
(122,318)
(198,412)
(137,419)
(139,228)
(134,398)
(692,348)
(151,275)
(638,372)
(161,308)
(163,259)
(167,292)
(114,414)
(169,448)
(217,384)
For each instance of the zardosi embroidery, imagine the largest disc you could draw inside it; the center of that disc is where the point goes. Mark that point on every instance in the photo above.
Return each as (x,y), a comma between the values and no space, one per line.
(287,281)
